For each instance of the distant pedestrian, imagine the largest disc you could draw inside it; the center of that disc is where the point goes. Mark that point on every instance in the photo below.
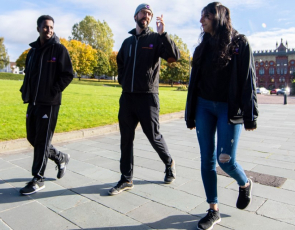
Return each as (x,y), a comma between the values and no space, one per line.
(221,97)
(138,73)
(48,72)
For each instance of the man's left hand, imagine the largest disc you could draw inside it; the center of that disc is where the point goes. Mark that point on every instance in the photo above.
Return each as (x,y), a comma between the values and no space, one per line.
(160,25)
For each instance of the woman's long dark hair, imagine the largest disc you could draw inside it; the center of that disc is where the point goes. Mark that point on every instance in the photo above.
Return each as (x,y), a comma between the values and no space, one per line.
(223,41)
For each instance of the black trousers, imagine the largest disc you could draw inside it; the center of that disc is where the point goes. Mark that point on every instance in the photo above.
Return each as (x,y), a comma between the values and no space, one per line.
(143,108)
(41,121)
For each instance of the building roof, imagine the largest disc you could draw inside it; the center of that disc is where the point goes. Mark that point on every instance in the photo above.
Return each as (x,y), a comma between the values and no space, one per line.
(281,50)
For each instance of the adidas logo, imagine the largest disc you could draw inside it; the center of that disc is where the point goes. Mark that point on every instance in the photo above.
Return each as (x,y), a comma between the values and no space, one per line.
(45,116)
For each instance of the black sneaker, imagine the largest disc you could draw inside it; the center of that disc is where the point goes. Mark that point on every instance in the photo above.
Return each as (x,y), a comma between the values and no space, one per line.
(170,173)
(120,187)
(245,196)
(207,222)
(33,186)
(61,164)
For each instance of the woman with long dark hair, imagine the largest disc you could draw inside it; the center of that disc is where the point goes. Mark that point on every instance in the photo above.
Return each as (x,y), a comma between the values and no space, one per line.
(221,97)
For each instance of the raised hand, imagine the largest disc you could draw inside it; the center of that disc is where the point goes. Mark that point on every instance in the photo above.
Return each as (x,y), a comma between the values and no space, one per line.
(160,25)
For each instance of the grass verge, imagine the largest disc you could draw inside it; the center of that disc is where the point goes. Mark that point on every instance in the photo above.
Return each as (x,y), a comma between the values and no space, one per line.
(83,106)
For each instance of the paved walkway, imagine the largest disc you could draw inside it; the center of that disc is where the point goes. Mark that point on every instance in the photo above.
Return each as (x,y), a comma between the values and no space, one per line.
(80,200)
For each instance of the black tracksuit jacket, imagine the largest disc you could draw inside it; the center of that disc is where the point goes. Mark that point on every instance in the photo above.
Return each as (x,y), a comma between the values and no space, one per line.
(139,60)
(48,72)
(242,99)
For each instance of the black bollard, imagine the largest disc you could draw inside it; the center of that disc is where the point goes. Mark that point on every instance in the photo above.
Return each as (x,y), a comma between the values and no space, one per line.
(285,99)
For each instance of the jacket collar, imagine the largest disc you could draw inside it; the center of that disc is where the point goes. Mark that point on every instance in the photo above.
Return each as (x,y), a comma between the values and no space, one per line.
(53,40)
(144,32)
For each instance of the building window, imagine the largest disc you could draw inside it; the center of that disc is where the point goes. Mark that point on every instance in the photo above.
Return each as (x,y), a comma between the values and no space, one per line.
(271,71)
(292,70)
(278,70)
(282,70)
(272,79)
(285,70)
(282,79)
(261,71)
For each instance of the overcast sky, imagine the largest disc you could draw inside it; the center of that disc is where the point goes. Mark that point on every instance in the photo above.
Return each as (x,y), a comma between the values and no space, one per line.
(264,22)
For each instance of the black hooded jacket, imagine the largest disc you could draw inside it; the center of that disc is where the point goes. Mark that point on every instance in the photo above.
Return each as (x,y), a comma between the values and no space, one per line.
(139,60)
(242,99)
(48,72)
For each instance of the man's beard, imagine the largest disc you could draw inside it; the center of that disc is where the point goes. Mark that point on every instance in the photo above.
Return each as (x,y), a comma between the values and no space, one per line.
(141,24)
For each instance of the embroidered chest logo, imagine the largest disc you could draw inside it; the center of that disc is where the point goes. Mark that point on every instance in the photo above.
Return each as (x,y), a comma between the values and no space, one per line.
(52,59)
(150,47)
(236,51)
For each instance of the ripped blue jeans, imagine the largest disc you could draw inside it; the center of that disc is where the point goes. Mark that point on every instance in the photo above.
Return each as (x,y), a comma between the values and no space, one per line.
(211,122)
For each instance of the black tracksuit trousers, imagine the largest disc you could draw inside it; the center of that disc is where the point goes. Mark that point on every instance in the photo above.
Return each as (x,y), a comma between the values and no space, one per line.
(41,121)
(143,108)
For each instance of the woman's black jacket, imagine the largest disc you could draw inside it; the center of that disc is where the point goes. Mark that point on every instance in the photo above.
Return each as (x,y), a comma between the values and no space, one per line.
(242,99)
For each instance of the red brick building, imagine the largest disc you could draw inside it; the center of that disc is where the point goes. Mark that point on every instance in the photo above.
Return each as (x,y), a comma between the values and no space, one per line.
(275,68)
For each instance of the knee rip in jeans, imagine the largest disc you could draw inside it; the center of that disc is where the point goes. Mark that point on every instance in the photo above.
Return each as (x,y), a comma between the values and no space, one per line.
(224,158)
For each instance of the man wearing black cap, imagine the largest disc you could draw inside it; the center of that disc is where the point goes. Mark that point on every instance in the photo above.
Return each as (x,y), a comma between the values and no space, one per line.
(48,72)
(138,73)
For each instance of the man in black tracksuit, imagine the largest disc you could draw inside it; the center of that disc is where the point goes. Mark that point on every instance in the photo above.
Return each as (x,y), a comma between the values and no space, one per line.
(138,73)
(48,72)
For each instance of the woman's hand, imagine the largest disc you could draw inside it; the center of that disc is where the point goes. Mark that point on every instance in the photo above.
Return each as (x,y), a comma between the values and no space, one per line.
(249,129)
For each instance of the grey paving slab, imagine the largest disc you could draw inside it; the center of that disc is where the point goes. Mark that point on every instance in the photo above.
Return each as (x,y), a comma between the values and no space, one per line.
(79,155)
(79,145)
(105,146)
(289,185)
(100,217)
(79,166)
(167,196)
(98,192)
(35,216)
(10,197)
(71,180)
(234,218)
(107,154)
(11,157)
(5,165)
(16,177)
(4,226)
(283,157)
(157,177)
(106,163)
(276,210)
(271,193)
(281,172)
(159,216)
(101,174)
(275,163)
(57,198)
(225,196)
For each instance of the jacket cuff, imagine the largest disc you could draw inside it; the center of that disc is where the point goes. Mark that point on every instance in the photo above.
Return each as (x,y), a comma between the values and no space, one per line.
(190,124)
(250,124)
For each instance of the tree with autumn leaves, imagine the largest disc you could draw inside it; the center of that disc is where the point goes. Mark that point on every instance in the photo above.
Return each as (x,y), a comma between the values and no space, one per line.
(84,58)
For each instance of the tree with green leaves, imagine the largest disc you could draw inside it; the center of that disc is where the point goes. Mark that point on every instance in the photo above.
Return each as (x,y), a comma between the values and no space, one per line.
(103,66)
(4,59)
(177,71)
(94,33)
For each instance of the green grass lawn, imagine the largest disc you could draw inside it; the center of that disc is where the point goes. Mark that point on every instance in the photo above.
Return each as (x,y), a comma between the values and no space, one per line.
(83,106)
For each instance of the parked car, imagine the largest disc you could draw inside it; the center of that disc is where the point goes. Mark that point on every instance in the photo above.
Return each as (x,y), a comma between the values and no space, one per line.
(274,91)
(284,91)
(262,90)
